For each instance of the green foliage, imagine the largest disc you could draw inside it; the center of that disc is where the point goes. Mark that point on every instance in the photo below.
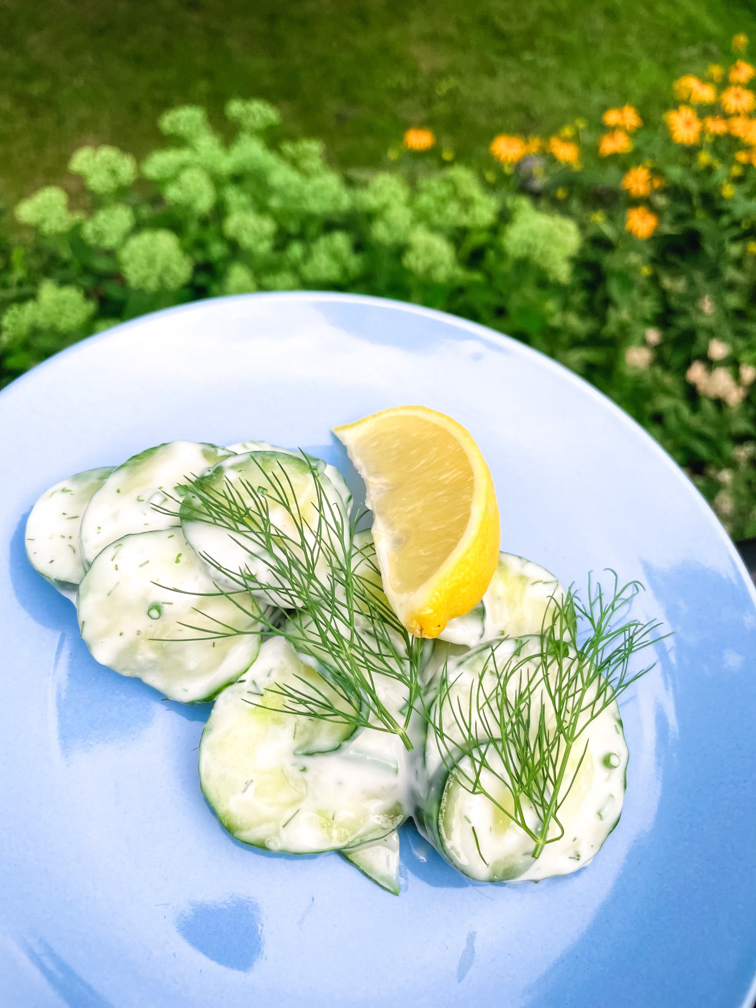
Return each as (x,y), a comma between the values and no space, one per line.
(665,325)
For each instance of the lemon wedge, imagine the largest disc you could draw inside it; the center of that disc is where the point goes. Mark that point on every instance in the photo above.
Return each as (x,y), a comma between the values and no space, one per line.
(435,517)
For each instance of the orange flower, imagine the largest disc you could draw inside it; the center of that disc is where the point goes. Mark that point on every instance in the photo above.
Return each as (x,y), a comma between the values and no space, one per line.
(747,156)
(715,126)
(740,42)
(626,118)
(638,181)
(743,128)
(508,149)
(683,124)
(741,72)
(641,222)
(419,139)
(737,99)
(533,144)
(715,71)
(616,142)
(690,88)
(565,151)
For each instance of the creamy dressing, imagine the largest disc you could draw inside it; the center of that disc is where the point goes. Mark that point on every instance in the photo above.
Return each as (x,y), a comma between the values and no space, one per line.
(475,833)
(330,471)
(53,529)
(518,602)
(127,501)
(133,620)
(240,553)
(268,795)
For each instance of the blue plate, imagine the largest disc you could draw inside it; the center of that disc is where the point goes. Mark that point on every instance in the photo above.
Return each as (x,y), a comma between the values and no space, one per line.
(118,887)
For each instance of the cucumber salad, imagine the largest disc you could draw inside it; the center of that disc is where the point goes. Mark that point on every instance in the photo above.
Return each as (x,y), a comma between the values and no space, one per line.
(244,576)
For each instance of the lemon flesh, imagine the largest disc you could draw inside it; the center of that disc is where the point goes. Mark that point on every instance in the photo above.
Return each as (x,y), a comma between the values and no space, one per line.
(436,521)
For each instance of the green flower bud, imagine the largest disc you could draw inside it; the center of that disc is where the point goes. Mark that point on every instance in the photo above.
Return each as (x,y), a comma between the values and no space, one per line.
(383,191)
(547,240)
(105,169)
(47,210)
(192,188)
(163,165)
(108,227)
(60,309)
(431,257)
(306,155)
(454,199)
(393,226)
(252,231)
(331,259)
(253,115)
(239,280)
(153,261)
(186,121)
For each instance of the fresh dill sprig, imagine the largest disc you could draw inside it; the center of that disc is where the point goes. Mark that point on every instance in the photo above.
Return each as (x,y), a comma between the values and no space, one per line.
(524,716)
(305,558)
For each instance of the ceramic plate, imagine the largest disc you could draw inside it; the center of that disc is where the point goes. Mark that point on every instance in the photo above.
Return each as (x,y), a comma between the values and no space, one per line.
(119,888)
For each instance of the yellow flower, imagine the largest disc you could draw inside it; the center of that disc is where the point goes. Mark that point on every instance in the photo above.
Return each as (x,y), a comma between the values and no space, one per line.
(646,270)
(741,72)
(751,248)
(566,132)
(704,158)
(691,88)
(533,144)
(727,190)
(508,149)
(565,151)
(447,154)
(736,171)
(561,193)
(626,118)
(638,181)
(683,124)
(740,42)
(737,100)
(715,71)
(715,126)
(743,128)
(641,222)
(598,217)
(419,139)
(581,123)
(616,142)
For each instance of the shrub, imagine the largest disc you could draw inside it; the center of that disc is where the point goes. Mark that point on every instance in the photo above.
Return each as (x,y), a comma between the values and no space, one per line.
(627,251)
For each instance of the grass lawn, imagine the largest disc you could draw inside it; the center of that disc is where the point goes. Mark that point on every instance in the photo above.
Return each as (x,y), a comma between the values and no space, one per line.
(355,72)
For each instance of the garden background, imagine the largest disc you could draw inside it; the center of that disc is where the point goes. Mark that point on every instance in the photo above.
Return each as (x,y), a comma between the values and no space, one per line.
(579,175)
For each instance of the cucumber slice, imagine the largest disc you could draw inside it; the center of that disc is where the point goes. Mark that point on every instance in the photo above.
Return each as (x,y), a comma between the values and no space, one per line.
(132,620)
(254,550)
(474,833)
(269,797)
(519,600)
(127,500)
(330,471)
(53,529)
(379,861)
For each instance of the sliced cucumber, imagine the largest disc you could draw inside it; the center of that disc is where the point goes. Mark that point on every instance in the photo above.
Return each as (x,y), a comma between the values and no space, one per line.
(306,518)
(518,602)
(53,529)
(138,604)
(127,501)
(379,861)
(268,796)
(475,833)
(330,471)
